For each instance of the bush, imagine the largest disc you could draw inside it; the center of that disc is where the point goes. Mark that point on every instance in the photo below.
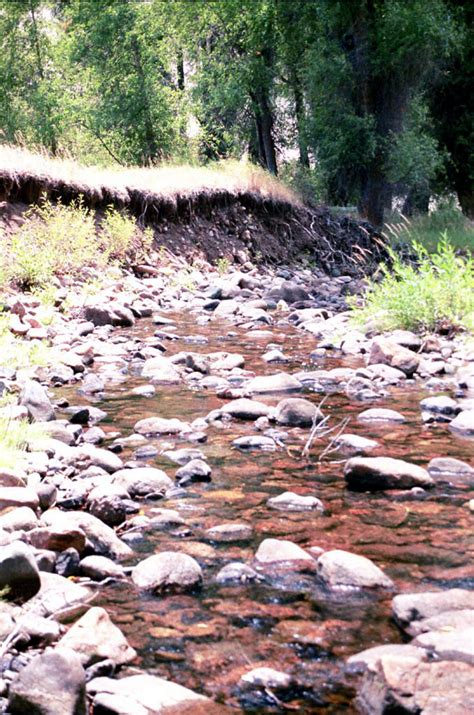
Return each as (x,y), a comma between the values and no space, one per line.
(435,291)
(122,239)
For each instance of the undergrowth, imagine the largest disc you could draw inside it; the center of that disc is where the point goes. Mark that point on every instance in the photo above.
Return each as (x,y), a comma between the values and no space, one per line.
(435,291)
(428,228)
(63,240)
(16,437)
(17,353)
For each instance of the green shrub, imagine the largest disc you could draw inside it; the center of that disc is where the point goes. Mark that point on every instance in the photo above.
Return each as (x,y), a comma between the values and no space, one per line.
(437,290)
(428,229)
(122,239)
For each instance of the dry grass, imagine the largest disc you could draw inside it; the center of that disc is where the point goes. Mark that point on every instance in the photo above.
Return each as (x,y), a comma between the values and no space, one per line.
(167,183)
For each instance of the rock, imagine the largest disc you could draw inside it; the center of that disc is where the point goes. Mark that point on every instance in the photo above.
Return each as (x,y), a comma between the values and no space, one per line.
(374,473)
(236,572)
(255,442)
(110,314)
(228,533)
(273,551)
(267,678)
(168,570)
(406,685)
(183,456)
(369,659)
(94,637)
(92,384)
(445,621)
(440,404)
(281,382)
(447,466)
(101,538)
(341,569)
(142,481)
(245,409)
(289,292)
(21,518)
(108,504)
(52,683)
(457,644)
(12,477)
(100,567)
(160,425)
(145,695)
(355,444)
(296,412)
(379,414)
(463,423)
(18,571)
(194,471)
(58,537)
(35,398)
(58,597)
(289,501)
(408,607)
(160,369)
(388,352)
(90,455)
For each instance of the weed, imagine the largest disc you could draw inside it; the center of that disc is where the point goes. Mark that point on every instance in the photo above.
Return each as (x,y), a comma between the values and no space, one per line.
(222,265)
(437,289)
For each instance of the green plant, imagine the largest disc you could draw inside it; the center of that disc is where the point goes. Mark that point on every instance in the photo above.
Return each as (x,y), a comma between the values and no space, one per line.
(427,229)
(18,353)
(435,291)
(121,237)
(16,437)
(222,265)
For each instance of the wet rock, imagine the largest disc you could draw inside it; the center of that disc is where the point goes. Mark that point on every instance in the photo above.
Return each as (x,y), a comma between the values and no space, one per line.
(101,538)
(160,369)
(100,567)
(57,537)
(281,382)
(194,471)
(406,685)
(440,405)
(447,621)
(289,501)
(237,572)
(109,314)
(360,388)
(448,469)
(183,456)
(408,607)
(18,497)
(19,572)
(107,504)
(52,683)
(374,473)
(463,423)
(388,352)
(380,414)
(144,695)
(228,533)
(341,569)
(355,444)
(142,481)
(267,678)
(160,425)
(273,551)
(274,356)
(245,409)
(296,412)
(457,644)
(168,570)
(144,390)
(35,398)
(249,442)
(94,637)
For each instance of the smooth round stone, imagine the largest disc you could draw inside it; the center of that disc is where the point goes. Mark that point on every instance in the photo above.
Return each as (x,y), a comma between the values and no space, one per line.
(380,414)
(273,551)
(289,501)
(227,533)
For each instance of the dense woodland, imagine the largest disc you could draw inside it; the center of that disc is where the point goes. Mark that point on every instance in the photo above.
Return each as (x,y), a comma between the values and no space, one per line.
(355,102)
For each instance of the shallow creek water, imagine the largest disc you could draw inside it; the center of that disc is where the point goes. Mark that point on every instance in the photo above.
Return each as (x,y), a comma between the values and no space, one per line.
(207,640)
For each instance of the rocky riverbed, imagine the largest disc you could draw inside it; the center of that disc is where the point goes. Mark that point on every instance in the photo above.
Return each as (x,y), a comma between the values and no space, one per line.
(241,503)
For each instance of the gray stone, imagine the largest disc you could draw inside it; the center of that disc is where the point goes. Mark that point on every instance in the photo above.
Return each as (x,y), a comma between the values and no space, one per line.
(228,533)
(368,659)
(289,501)
(52,683)
(380,414)
(408,607)
(168,570)
(35,398)
(100,567)
(449,645)
(355,444)
(194,471)
(342,569)
(245,409)
(101,538)
(450,467)
(160,425)
(21,518)
(94,637)
(236,572)
(281,382)
(440,404)
(374,473)
(255,442)
(297,412)
(273,551)
(445,621)
(142,481)
(463,423)
(388,352)
(110,314)
(19,573)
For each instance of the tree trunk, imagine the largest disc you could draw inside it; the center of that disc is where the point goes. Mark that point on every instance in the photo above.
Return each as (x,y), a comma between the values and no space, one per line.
(300,120)
(264,124)
(151,149)
(180,70)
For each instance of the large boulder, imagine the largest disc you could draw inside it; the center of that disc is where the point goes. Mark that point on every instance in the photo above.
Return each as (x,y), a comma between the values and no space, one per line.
(374,473)
(101,538)
(389,352)
(167,571)
(94,637)
(18,571)
(53,683)
(18,497)
(296,412)
(142,481)
(35,398)
(341,569)
(109,314)
(408,607)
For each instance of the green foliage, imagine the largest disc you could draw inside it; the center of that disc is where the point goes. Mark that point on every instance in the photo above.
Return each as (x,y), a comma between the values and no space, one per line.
(16,437)
(222,265)
(121,239)
(428,229)
(437,289)
(18,353)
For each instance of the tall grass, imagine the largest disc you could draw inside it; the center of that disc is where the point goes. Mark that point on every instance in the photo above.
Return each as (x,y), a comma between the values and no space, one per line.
(427,229)
(434,291)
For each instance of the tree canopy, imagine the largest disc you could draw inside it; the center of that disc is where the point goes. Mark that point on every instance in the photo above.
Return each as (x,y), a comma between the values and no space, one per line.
(364,100)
